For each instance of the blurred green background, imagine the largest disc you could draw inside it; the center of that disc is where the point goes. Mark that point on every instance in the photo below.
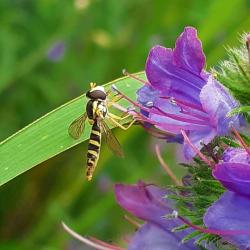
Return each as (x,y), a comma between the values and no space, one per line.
(49,51)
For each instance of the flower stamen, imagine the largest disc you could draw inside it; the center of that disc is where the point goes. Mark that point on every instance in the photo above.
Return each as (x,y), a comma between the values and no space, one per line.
(196,150)
(166,167)
(120,108)
(130,100)
(214,231)
(158,134)
(187,112)
(125,73)
(243,144)
(158,111)
(180,118)
(97,244)
(132,221)
(184,104)
(105,244)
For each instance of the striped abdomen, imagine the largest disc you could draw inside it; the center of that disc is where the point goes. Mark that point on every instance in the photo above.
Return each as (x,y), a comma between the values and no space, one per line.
(93,150)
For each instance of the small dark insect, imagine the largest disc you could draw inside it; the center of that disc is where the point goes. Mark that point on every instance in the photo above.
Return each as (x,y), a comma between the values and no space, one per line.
(96,113)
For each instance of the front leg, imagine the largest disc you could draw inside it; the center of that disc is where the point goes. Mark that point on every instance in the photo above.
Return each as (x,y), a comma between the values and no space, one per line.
(116,123)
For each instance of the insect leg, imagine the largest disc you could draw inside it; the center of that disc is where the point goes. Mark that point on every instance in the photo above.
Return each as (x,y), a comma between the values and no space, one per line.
(120,125)
(115,99)
(120,118)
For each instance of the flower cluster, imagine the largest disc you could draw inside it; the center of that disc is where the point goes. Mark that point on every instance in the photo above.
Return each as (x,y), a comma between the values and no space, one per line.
(188,105)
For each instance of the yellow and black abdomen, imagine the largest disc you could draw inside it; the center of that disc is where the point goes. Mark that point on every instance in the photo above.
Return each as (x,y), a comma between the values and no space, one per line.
(93,150)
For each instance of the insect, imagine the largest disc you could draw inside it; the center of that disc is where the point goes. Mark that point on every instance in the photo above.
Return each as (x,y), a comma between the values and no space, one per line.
(96,113)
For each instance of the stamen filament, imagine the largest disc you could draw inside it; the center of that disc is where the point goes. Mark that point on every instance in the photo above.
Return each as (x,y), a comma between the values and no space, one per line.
(89,242)
(237,135)
(214,231)
(187,112)
(157,134)
(160,112)
(184,104)
(124,72)
(142,118)
(179,118)
(166,167)
(119,107)
(105,244)
(130,100)
(196,150)
(132,221)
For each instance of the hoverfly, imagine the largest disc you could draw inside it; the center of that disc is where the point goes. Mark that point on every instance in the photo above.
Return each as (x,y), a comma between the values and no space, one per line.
(96,113)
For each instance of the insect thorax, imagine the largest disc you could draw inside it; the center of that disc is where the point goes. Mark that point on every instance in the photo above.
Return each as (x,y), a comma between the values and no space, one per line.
(96,109)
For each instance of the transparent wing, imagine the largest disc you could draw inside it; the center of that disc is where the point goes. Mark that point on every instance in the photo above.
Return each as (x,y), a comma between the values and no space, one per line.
(111,140)
(77,126)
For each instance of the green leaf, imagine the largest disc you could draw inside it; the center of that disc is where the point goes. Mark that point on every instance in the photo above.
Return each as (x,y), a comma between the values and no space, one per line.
(48,136)
(244,109)
(191,236)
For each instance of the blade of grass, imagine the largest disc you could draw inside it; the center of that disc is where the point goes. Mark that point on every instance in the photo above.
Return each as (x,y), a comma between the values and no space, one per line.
(48,136)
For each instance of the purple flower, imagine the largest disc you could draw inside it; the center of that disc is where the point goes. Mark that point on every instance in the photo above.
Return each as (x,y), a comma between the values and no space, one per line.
(231,211)
(234,171)
(56,51)
(150,236)
(180,95)
(147,202)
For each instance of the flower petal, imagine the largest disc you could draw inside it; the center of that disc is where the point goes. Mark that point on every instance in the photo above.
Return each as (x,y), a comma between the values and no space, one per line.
(173,81)
(237,155)
(150,237)
(178,138)
(145,202)
(146,94)
(196,137)
(234,176)
(188,53)
(217,102)
(230,212)
(172,119)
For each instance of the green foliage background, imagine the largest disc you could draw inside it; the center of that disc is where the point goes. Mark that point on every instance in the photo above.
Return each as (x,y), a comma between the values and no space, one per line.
(101,38)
